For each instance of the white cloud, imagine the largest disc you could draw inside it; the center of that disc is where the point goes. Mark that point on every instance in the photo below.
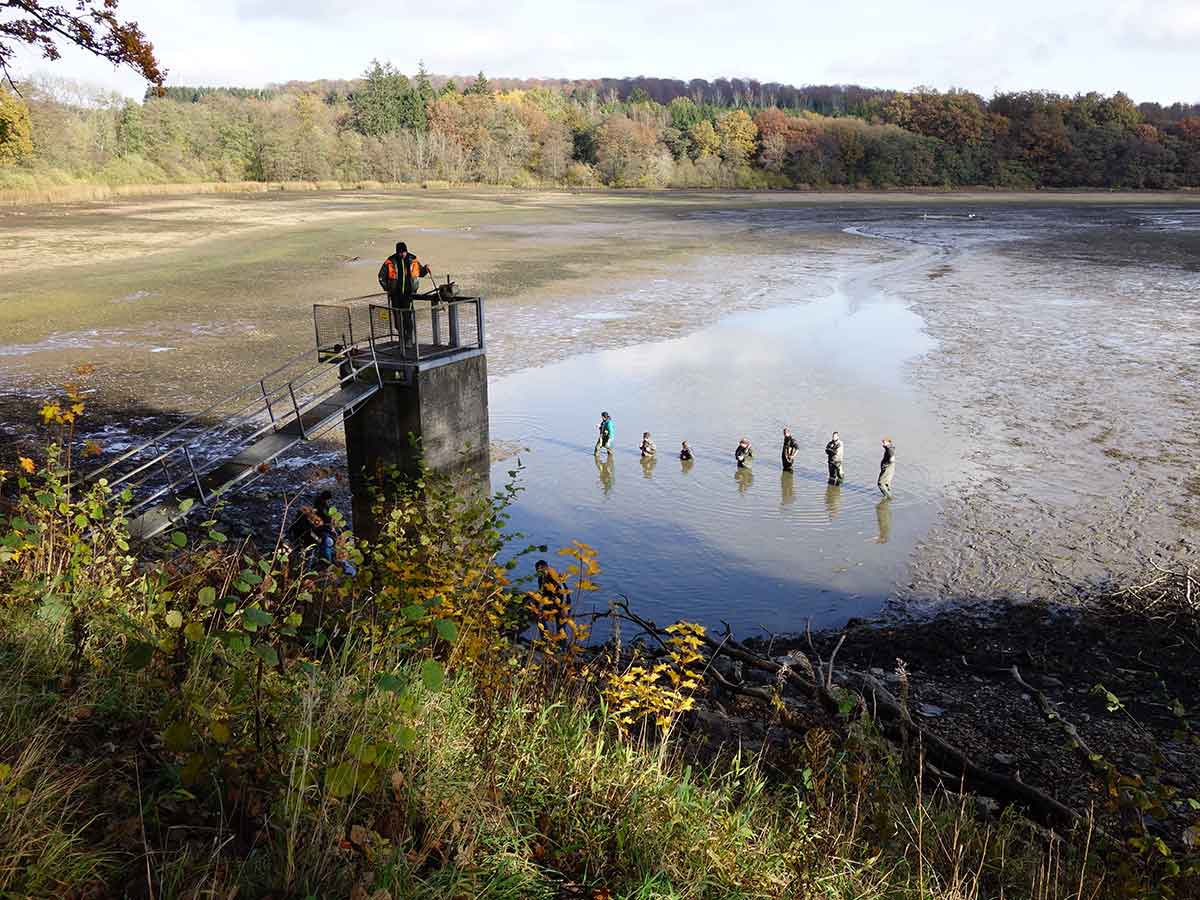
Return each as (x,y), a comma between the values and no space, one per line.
(1069,46)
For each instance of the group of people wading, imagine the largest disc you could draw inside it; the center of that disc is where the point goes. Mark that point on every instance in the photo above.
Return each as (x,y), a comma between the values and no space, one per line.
(743,454)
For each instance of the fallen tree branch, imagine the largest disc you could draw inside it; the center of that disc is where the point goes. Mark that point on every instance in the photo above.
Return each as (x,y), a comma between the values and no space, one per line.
(892,719)
(1051,715)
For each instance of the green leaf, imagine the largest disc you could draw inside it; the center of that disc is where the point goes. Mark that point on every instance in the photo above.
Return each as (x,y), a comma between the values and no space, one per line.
(45,499)
(5,771)
(194,631)
(253,616)
(432,674)
(266,653)
(414,611)
(54,609)
(178,736)
(174,619)
(186,506)
(179,539)
(207,596)
(391,683)
(339,780)
(447,629)
(406,737)
(138,656)
(216,537)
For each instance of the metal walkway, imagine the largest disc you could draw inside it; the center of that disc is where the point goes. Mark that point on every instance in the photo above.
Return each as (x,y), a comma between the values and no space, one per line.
(235,440)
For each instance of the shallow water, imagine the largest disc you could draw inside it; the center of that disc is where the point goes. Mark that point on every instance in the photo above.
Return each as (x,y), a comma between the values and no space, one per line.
(1035,364)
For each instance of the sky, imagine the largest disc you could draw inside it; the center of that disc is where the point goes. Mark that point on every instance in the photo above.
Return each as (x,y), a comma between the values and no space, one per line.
(1148,48)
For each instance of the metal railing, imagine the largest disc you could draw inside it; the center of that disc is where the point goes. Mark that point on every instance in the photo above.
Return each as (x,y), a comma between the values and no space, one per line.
(179,458)
(351,341)
(430,328)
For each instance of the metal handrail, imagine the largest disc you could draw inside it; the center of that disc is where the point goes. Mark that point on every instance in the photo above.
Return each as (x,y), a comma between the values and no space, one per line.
(200,415)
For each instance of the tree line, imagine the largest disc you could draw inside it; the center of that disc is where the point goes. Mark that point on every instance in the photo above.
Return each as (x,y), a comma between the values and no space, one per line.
(648,133)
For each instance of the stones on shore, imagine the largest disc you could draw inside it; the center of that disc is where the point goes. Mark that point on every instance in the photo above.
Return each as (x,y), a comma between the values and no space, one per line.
(929,710)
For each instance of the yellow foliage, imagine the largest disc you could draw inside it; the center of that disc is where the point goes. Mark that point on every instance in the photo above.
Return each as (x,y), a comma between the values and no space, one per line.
(662,691)
(27,465)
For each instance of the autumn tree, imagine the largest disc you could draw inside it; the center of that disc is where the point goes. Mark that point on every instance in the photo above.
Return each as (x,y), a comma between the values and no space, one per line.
(738,135)
(16,136)
(704,138)
(90,24)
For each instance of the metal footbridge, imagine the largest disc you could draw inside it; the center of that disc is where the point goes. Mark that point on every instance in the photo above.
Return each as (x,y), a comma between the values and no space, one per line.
(361,346)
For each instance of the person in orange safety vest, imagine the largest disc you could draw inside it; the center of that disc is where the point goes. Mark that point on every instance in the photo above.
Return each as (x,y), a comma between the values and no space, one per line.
(400,275)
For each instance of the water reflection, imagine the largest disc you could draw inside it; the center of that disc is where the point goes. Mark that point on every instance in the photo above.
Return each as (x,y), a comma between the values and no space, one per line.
(605,469)
(833,500)
(883,518)
(717,541)
(787,489)
(744,477)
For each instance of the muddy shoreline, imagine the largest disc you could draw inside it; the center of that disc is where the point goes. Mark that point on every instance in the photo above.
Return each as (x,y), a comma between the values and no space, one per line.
(959,670)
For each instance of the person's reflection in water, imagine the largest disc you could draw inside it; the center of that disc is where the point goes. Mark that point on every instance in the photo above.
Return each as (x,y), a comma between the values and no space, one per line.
(787,488)
(744,477)
(685,465)
(883,516)
(605,468)
(833,500)
(648,464)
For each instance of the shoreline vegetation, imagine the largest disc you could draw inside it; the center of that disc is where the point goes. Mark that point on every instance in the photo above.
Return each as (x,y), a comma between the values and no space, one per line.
(97,193)
(387,128)
(212,718)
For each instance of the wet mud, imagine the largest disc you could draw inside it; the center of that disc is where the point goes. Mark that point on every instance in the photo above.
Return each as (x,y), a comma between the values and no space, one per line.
(1035,363)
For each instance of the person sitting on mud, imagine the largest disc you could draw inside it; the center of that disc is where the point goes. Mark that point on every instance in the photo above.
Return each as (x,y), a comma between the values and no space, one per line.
(835,455)
(647,447)
(790,448)
(685,452)
(743,454)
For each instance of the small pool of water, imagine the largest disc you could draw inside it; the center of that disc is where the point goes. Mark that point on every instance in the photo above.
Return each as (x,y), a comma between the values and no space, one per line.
(703,540)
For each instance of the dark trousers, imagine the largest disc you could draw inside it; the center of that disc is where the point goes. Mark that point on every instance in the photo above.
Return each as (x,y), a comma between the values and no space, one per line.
(406,319)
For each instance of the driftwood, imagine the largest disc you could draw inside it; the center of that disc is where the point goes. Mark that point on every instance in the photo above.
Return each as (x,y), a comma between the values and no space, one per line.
(892,718)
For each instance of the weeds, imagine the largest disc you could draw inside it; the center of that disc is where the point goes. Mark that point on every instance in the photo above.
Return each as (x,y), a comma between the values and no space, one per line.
(223,722)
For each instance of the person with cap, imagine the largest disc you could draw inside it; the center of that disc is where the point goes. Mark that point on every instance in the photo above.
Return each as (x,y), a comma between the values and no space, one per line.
(399,276)
(604,440)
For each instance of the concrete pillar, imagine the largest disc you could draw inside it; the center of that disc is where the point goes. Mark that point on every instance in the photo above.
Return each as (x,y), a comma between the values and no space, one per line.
(433,411)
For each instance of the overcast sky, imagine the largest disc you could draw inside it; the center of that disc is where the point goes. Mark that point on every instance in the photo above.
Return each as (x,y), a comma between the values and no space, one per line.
(1148,48)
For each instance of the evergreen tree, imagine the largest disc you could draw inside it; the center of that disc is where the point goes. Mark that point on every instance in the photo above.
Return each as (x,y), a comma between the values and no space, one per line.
(480,86)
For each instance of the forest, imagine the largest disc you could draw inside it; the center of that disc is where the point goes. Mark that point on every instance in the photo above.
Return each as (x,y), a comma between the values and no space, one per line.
(388,127)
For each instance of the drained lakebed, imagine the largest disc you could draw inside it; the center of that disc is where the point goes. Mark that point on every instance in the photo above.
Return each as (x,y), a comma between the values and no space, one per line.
(1034,362)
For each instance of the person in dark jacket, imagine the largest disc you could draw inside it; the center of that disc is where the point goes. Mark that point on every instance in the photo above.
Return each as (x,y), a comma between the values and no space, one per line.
(835,455)
(743,454)
(400,276)
(790,448)
(887,467)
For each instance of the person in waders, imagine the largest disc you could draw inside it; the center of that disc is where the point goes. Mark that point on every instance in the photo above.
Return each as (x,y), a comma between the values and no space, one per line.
(400,276)
(835,456)
(887,467)
(604,440)
(790,448)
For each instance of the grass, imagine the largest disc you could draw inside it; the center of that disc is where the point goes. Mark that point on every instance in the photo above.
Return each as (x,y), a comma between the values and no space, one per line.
(218,724)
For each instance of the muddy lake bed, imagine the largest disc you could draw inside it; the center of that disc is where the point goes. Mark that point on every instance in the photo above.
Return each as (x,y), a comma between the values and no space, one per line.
(1035,363)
